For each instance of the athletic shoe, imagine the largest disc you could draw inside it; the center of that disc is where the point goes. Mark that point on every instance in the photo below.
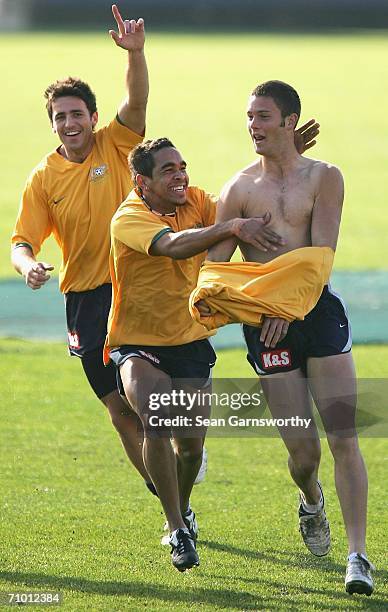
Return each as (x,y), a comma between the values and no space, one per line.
(191,523)
(184,555)
(315,529)
(358,577)
(203,469)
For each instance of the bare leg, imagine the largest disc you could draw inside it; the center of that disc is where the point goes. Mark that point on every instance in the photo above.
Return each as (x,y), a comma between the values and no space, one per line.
(287,396)
(189,450)
(333,384)
(140,379)
(189,457)
(129,428)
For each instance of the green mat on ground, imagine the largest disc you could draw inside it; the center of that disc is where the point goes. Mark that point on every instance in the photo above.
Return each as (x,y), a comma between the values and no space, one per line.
(40,314)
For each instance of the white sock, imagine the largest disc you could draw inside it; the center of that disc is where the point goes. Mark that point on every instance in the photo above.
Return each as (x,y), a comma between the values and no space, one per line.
(312,508)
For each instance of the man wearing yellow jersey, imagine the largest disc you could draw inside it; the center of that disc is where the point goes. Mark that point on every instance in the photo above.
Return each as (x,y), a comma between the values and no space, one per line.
(305,358)
(159,236)
(73,194)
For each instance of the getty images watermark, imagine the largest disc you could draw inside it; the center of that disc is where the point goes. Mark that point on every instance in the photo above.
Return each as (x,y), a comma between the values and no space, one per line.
(190,402)
(238,408)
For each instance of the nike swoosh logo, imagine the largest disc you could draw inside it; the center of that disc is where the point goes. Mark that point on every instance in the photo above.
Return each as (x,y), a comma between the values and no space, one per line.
(59,200)
(342,324)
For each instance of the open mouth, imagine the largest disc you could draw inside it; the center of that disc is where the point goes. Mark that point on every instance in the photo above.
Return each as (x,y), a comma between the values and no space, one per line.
(179,189)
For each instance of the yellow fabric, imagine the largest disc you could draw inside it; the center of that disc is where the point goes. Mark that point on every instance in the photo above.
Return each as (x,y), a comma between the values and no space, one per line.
(76,202)
(289,286)
(151,294)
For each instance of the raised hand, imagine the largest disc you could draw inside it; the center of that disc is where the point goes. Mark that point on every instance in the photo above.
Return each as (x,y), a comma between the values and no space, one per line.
(304,137)
(130,34)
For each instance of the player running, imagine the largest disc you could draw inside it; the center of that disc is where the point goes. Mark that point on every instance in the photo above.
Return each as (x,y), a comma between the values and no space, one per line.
(304,198)
(73,194)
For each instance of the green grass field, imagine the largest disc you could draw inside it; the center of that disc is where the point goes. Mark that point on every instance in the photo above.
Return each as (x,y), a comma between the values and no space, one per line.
(199,89)
(75,517)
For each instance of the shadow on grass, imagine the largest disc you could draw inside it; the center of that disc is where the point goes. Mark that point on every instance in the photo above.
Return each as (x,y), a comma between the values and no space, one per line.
(299,560)
(238,600)
(278,593)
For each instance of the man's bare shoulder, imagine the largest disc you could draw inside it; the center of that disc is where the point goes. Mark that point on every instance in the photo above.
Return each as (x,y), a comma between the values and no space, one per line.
(322,169)
(243,179)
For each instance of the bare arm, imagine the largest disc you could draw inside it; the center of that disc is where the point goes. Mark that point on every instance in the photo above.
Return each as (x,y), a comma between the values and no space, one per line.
(187,243)
(325,224)
(34,272)
(327,209)
(130,36)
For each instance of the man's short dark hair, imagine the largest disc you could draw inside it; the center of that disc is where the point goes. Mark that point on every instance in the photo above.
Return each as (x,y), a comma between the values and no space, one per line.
(285,97)
(70,87)
(141,159)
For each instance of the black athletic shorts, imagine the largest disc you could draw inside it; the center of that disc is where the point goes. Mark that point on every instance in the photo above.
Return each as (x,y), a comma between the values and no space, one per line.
(87,317)
(192,361)
(325,331)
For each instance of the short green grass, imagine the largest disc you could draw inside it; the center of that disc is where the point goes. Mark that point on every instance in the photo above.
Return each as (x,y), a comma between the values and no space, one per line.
(75,517)
(199,88)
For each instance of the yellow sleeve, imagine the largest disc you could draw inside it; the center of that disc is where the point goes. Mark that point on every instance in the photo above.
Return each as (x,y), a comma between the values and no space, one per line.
(33,223)
(122,137)
(138,230)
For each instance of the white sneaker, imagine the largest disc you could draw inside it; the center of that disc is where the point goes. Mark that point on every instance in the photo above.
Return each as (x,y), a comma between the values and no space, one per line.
(315,529)
(358,577)
(203,469)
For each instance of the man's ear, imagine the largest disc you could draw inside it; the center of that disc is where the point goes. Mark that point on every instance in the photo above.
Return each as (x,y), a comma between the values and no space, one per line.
(94,119)
(291,121)
(141,181)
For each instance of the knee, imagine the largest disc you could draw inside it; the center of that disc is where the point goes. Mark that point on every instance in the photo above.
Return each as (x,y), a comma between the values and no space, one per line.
(189,451)
(305,459)
(343,448)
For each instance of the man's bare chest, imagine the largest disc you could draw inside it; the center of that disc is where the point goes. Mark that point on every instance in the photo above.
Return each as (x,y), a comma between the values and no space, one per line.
(290,203)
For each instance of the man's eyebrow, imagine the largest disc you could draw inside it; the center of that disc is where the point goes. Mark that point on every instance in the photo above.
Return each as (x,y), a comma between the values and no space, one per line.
(171,165)
(74,110)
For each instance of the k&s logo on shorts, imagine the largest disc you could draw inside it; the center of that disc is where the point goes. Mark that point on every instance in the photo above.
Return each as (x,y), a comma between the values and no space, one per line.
(276,359)
(73,340)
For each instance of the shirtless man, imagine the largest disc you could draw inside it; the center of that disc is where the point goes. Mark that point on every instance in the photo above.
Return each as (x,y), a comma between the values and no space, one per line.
(301,200)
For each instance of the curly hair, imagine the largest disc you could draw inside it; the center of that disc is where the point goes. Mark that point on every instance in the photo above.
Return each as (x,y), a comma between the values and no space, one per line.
(69,87)
(141,159)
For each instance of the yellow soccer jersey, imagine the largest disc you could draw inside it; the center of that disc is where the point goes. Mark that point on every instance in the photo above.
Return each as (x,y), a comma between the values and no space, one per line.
(151,294)
(288,286)
(76,202)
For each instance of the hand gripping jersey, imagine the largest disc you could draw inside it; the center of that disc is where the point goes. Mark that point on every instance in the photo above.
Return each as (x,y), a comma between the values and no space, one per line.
(289,286)
(151,294)
(76,202)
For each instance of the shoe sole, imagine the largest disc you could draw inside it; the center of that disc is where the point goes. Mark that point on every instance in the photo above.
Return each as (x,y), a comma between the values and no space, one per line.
(186,567)
(359,587)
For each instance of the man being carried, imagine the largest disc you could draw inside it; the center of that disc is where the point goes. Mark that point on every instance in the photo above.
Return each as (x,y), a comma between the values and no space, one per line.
(301,200)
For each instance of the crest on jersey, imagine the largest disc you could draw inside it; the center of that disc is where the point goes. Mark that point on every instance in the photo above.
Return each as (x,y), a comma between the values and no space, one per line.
(98,172)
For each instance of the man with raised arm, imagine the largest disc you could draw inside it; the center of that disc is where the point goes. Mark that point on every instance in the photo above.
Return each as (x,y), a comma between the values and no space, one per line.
(73,194)
(302,201)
